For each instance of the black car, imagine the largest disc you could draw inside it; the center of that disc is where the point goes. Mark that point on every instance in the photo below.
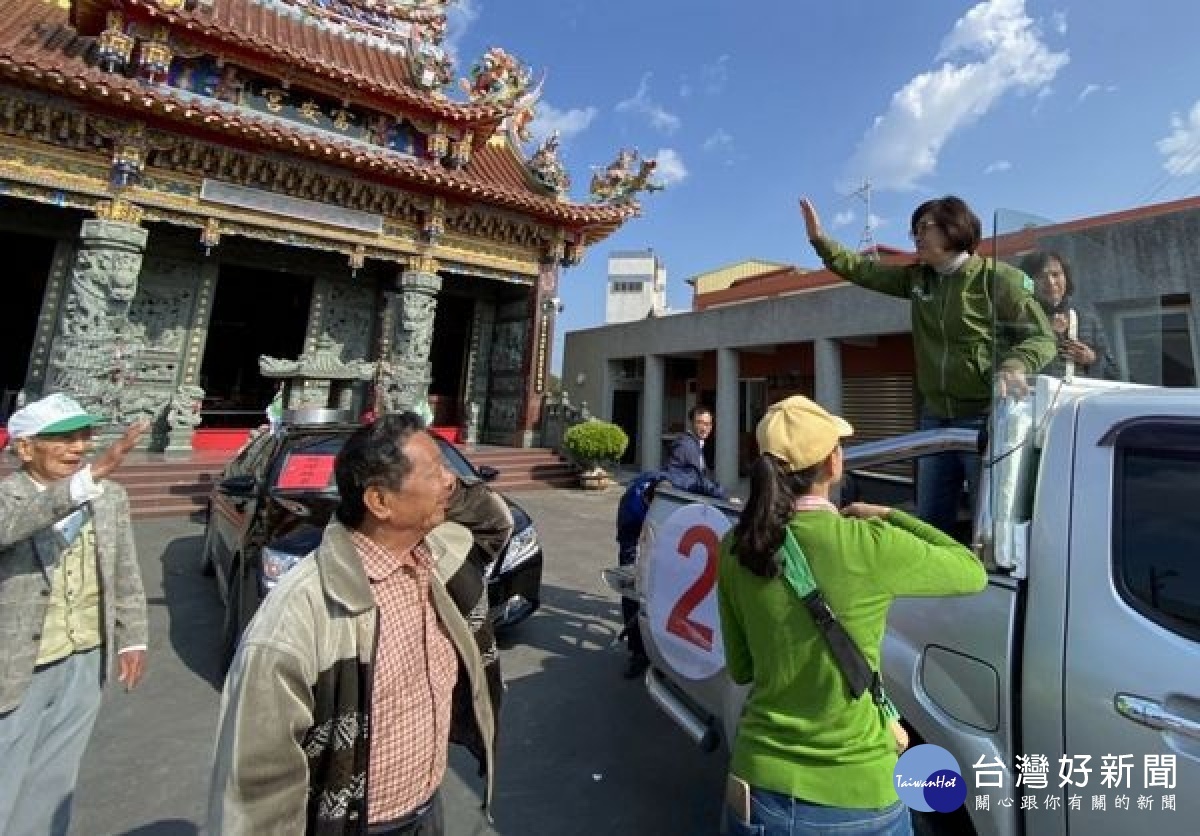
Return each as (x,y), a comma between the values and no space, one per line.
(272,501)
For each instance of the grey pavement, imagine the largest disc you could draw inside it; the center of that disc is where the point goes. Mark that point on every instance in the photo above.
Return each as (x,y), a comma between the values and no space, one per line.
(582,751)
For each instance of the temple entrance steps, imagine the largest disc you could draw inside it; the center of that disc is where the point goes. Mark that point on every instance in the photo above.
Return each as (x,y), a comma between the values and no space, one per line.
(162,485)
(524,469)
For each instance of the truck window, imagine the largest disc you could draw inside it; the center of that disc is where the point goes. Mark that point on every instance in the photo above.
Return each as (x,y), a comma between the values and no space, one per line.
(1156,526)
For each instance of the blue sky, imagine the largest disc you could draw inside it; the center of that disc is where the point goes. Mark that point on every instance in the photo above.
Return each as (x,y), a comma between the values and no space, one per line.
(1062,109)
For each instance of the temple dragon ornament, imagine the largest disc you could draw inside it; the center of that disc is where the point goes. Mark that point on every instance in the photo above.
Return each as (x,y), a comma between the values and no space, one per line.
(620,182)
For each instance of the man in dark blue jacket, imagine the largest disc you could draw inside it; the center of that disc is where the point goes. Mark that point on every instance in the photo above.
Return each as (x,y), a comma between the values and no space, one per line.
(686,467)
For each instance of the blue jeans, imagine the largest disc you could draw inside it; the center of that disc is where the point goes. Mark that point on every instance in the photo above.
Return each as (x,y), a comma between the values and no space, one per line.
(940,477)
(775,814)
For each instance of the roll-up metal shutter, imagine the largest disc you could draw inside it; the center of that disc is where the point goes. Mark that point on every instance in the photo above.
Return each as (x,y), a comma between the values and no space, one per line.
(881,407)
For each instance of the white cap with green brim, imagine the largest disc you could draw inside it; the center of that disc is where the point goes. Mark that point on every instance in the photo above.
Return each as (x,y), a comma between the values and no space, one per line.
(52,415)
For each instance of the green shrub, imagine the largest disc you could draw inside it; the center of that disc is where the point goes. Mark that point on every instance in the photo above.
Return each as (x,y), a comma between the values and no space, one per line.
(594,442)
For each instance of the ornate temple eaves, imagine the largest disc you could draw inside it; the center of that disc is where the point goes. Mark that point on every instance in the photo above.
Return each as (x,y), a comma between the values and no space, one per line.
(275,31)
(376,163)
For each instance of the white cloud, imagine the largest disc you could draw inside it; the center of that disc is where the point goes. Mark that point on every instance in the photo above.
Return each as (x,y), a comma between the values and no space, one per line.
(715,75)
(1040,98)
(997,166)
(671,169)
(660,118)
(1182,147)
(713,78)
(1096,88)
(1058,22)
(568,123)
(844,218)
(999,51)
(460,14)
(720,140)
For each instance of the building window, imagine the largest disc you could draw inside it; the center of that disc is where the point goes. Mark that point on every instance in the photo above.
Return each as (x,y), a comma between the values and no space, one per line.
(1157,345)
(627,287)
(1155,524)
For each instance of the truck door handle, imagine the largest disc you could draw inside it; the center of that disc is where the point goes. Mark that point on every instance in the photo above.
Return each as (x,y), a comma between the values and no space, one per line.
(1153,715)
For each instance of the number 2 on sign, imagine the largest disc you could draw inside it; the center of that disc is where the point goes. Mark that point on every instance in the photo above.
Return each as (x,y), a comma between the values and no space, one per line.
(680,622)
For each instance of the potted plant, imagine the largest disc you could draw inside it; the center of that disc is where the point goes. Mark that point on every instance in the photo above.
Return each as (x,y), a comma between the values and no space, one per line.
(592,444)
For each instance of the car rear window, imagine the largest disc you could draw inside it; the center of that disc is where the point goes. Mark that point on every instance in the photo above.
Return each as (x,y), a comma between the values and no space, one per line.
(307,464)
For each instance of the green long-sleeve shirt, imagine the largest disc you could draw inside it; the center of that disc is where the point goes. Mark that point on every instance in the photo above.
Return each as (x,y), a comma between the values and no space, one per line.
(963,324)
(800,733)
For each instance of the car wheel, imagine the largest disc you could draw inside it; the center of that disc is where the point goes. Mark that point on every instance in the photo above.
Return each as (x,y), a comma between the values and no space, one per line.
(207,567)
(233,616)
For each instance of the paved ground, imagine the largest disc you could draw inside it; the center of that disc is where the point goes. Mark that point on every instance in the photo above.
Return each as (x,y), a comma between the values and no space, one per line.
(582,751)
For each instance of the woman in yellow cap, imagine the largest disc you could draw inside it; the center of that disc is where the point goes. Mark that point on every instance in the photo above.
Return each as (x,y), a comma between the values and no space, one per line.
(808,754)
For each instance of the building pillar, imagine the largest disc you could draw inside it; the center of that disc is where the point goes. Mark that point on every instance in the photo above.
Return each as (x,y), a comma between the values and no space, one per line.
(726,457)
(536,361)
(94,354)
(404,373)
(653,381)
(479,368)
(827,370)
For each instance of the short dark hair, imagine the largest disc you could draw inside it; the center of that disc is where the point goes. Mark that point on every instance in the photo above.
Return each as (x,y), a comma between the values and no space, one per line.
(955,219)
(1036,262)
(373,456)
(699,409)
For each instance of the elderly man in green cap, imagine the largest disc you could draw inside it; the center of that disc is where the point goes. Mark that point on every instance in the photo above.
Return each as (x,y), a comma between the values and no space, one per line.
(72,609)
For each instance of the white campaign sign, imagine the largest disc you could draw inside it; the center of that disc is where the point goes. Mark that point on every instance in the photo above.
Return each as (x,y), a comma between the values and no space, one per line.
(681,591)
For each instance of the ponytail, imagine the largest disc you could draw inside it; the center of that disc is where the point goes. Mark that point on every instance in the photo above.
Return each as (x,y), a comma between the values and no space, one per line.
(758,535)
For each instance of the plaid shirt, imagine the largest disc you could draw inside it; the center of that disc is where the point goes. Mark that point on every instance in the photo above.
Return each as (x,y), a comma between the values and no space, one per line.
(415,671)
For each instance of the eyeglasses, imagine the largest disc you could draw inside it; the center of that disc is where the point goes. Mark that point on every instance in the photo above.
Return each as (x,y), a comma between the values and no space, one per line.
(921,228)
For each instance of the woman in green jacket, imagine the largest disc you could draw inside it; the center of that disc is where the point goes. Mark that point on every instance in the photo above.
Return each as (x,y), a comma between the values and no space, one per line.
(976,329)
(812,755)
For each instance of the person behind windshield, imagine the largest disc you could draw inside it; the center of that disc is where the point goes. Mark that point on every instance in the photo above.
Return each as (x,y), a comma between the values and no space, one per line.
(1081,344)
(817,760)
(960,303)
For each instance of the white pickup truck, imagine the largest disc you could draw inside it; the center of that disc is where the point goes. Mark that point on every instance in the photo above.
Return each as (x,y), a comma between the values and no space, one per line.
(1069,690)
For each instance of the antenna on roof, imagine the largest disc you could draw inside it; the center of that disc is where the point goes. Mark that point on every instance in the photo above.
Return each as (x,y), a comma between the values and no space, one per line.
(866,244)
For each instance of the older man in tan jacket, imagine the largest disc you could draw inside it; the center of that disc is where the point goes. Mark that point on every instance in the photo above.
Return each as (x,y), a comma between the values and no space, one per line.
(338,709)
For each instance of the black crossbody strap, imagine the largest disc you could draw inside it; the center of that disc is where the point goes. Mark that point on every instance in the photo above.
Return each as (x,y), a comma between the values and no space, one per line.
(859,675)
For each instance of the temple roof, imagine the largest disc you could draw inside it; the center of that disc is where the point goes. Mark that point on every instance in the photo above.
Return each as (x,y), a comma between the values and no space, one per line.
(40,48)
(305,35)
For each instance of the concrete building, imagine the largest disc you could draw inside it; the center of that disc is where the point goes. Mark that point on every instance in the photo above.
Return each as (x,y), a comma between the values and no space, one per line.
(637,286)
(780,332)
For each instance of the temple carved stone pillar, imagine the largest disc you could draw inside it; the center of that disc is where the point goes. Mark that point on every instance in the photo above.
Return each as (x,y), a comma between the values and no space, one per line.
(96,348)
(405,371)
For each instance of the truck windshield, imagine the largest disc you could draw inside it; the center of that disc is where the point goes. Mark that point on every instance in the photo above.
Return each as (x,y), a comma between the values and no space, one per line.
(1115,298)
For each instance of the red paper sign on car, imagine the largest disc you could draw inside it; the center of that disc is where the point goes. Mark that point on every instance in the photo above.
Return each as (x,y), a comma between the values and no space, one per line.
(306,471)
